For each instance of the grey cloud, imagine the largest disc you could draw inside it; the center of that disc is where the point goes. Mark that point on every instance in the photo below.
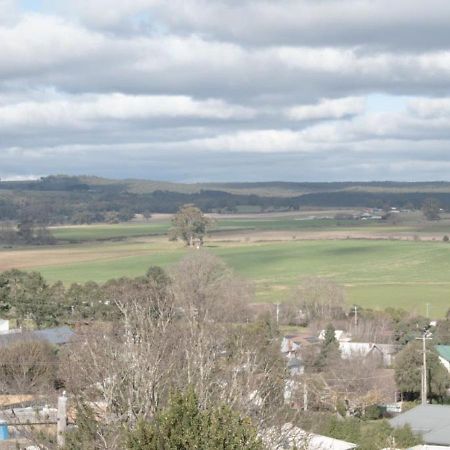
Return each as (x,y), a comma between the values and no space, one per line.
(407,24)
(220,90)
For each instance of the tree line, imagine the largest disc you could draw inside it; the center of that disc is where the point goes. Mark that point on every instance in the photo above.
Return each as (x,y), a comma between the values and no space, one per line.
(56,200)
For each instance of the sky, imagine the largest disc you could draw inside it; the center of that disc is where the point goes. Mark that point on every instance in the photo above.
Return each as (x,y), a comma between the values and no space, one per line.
(226,90)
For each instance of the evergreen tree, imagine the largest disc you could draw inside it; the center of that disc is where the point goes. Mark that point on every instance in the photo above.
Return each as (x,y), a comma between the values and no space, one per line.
(185,425)
(408,372)
(330,348)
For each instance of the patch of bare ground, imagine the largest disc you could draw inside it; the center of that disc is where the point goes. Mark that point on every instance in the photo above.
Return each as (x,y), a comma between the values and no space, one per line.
(36,257)
(318,213)
(268,236)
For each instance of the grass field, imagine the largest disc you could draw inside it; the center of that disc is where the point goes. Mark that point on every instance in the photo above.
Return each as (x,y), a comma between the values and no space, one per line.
(284,223)
(109,231)
(378,273)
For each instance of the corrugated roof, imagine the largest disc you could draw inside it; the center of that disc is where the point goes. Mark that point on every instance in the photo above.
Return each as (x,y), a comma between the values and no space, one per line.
(432,421)
(55,336)
(444,351)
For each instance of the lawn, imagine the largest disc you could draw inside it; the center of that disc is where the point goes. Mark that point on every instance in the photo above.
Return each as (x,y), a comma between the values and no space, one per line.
(378,274)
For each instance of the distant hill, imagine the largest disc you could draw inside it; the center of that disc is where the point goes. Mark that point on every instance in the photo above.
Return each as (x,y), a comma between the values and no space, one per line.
(87,199)
(272,188)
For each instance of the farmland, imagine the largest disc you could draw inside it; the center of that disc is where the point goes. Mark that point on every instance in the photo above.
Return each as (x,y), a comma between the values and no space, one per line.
(376,273)
(239,225)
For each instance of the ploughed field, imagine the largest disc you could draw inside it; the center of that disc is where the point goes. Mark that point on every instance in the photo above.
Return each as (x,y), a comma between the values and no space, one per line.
(376,273)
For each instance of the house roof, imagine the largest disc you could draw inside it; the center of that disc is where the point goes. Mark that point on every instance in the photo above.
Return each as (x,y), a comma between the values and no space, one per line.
(432,421)
(294,362)
(444,351)
(55,336)
(427,447)
(290,435)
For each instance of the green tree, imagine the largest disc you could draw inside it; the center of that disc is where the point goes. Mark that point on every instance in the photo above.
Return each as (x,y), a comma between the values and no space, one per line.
(330,348)
(442,332)
(431,208)
(84,435)
(27,296)
(190,225)
(185,425)
(159,276)
(369,435)
(408,372)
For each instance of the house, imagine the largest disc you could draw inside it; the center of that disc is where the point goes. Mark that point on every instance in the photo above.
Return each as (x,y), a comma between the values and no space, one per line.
(295,367)
(431,421)
(351,350)
(55,336)
(444,355)
(290,345)
(289,436)
(4,326)
(340,335)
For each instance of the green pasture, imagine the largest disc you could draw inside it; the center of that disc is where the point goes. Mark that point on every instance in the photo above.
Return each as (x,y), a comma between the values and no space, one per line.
(376,274)
(129,230)
(108,231)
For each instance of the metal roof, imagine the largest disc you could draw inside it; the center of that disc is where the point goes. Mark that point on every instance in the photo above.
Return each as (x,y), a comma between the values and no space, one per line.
(55,336)
(444,351)
(431,421)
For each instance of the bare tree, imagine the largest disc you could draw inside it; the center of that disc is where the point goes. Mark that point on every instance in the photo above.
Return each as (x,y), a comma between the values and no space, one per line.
(192,331)
(27,366)
(122,370)
(209,297)
(320,298)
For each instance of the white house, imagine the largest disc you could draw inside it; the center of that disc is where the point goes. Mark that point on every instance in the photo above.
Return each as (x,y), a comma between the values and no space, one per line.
(351,350)
(340,335)
(4,326)
(290,345)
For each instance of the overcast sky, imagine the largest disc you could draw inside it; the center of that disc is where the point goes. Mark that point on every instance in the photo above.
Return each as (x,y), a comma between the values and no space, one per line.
(226,90)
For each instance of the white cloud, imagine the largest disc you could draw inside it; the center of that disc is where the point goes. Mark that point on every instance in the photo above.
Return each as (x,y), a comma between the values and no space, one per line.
(46,50)
(137,80)
(328,109)
(430,107)
(38,42)
(404,23)
(84,110)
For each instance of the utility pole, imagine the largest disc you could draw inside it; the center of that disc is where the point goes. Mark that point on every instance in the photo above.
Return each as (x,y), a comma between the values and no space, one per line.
(61,420)
(424,384)
(305,396)
(278,312)
(424,371)
(356,316)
